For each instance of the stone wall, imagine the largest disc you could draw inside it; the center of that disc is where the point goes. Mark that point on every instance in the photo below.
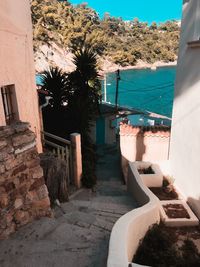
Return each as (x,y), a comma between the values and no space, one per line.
(23,193)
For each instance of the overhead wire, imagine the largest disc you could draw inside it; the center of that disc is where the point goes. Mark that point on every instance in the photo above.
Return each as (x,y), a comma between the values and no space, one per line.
(139,89)
(148,89)
(134,83)
(151,100)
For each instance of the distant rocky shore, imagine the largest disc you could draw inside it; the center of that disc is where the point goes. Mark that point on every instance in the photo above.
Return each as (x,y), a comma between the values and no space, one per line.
(111,67)
(54,55)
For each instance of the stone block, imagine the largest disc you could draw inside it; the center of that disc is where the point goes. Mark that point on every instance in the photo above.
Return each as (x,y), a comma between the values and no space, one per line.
(2,190)
(21,127)
(5,154)
(3,224)
(37,184)
(9,217)
(10,163)
(21,168)
(13,194)
(18,203)
(16,182)
(43,204)
(23,139)
(3,143)
(21,217)
(42,192)
(24,148)
(2,168)
(4,200)
(31,154)
(5,233)
(23,189)
(37,172)
(2,178)
(6,131)
(30,197)
(9,186)
(24,177)
(33,163)
(42,212)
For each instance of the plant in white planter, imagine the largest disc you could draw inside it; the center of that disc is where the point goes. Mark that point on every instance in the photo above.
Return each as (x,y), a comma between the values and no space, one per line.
(150,174)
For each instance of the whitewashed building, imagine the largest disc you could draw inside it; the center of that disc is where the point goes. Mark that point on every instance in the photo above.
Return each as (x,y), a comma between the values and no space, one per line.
(185,139)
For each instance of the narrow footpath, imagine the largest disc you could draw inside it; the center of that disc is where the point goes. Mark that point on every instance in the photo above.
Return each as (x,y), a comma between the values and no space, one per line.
(79,236)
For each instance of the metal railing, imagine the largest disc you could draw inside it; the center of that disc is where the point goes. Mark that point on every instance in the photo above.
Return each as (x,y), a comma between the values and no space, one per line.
(61,148)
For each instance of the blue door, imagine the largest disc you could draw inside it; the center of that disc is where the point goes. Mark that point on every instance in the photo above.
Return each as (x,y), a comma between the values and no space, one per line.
(100,131)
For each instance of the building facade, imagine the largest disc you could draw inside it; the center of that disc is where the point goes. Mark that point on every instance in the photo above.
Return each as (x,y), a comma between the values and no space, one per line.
(18,96)
(185,138)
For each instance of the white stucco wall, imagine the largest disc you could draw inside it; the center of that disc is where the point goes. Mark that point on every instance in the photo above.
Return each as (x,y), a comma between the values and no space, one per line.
(17,63)
(185,137)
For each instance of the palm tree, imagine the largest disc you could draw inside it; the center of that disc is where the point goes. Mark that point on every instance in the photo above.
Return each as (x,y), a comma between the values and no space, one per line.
(86,88)
(55,82)
(81,91)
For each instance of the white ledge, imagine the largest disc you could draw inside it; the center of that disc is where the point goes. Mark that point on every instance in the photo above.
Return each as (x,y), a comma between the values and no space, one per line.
(132,227)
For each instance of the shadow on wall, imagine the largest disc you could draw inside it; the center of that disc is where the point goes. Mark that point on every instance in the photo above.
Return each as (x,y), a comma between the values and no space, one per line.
(140,146)
(148,144)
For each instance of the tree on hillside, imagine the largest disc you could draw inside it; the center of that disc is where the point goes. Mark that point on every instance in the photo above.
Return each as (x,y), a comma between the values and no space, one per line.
(153,26)
(112,38)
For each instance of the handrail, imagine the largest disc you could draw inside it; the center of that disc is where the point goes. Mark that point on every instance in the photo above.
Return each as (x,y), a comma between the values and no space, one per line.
(62,151)
(53,144)
(56,137)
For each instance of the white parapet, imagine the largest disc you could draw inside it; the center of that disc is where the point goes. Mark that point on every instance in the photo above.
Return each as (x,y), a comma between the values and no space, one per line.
(150,180)
(175,222)
(132,227)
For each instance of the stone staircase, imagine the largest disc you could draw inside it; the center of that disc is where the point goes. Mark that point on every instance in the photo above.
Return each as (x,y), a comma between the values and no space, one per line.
(79,235)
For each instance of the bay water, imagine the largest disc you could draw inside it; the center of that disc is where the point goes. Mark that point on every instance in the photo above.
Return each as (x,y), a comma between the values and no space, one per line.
(144,89)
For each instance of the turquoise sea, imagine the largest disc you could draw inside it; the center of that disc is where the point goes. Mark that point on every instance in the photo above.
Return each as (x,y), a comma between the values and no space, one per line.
(145,89)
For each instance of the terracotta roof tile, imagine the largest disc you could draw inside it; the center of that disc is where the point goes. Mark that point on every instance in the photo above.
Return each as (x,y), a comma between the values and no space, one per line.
(160,130)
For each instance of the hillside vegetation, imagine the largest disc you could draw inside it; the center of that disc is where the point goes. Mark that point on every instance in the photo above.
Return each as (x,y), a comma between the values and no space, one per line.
(121,42)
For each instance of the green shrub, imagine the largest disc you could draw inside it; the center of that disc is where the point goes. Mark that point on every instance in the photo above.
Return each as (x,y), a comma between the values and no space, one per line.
(158,249)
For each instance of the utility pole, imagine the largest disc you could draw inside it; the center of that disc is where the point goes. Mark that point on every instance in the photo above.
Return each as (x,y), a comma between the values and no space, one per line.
(105,91)
(117,87)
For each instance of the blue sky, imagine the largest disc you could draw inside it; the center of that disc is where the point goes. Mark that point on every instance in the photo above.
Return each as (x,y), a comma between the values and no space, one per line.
(145,10)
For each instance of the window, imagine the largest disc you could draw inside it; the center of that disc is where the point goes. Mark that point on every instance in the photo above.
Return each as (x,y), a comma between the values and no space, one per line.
(9,103)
